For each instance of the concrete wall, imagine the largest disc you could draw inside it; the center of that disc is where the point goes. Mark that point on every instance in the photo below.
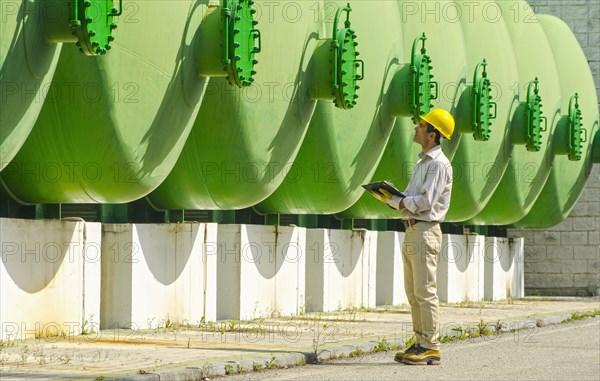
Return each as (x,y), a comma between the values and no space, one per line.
(49,277)
(565,259)
(155,273)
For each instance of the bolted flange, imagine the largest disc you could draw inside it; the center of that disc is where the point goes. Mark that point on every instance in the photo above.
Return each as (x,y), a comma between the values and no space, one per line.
(484,110)
(345,63)
(577,133)
(422,89)
(241,41)
(92,23)
(536,122)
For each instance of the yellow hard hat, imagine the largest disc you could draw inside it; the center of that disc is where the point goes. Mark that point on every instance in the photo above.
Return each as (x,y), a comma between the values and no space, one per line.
(441,120)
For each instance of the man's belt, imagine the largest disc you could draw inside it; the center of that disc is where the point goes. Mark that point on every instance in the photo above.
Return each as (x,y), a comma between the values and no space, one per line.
(411,221)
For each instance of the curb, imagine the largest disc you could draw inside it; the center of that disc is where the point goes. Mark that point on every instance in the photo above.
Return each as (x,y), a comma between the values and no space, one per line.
(293,359)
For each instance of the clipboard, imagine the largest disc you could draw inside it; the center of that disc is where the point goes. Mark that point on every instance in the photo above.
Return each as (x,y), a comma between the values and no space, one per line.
(388,186)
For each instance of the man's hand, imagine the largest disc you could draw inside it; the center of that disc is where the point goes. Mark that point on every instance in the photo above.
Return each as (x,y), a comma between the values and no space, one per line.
(383,197)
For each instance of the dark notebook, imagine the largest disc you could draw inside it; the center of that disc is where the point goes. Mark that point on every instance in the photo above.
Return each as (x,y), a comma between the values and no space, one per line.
(388,186)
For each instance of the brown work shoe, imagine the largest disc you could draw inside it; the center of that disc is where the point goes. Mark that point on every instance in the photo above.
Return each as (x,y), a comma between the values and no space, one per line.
(411,349)
(422,356)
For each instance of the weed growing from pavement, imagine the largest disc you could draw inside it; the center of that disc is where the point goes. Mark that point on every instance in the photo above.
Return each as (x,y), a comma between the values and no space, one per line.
(257,367)
(384,346)
(357,352)
(228,368)
(271,363)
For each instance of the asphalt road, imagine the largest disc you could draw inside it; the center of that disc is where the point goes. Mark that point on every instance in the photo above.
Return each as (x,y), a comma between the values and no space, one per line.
(569,351)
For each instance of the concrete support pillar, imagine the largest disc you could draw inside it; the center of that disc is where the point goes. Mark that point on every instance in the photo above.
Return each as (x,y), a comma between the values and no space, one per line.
(340,269)
(152,273)
(49,277)
(390,269)
(461,268)
(260,271)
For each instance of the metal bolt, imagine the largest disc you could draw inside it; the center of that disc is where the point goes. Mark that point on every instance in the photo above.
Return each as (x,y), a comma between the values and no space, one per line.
(87,4)
(113,26)
(356,53)
(236,31)
(107,47)
(88,19)
(110,38)
(254,22)
(357,87)
(237,58)
(239,69)
(355,96)
(78,43)
(91,33)
(237,18)
(254,62)
(236,44)
(252,72)
(94,44)
(242,77)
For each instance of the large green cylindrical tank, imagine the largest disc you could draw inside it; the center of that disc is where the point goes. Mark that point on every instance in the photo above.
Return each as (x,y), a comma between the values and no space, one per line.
(342,147)
(27,65)
(113,126)
(459,66)
(479,163)
(530,165)
(570,170)
(244,140)
(450,73)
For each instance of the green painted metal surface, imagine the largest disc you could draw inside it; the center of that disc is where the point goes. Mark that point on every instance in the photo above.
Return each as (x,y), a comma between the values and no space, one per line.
(113,126)
(244,141)
(27,65)
(448,62)
(299,133)
(342,147)
(529,165)
(87,23)
(567,177)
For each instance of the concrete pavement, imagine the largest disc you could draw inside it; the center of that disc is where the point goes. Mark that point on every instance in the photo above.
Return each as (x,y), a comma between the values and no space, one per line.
(193,350)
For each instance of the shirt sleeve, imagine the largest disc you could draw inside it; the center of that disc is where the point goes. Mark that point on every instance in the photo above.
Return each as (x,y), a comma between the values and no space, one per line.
(394,202)
(433,185)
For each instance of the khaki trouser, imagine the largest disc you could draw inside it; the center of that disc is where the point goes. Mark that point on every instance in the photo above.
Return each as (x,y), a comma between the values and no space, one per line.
(422,244)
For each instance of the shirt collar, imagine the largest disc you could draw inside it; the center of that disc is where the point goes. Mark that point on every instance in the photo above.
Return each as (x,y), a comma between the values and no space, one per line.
(432,153)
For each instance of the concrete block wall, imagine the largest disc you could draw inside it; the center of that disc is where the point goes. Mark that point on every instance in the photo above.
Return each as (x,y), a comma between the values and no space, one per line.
(565,259)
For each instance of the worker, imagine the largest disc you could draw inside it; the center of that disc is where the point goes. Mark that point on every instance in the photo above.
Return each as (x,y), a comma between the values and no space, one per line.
(424,206)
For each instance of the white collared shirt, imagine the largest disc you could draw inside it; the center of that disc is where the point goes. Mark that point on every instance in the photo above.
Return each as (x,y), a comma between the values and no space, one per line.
(429,189)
